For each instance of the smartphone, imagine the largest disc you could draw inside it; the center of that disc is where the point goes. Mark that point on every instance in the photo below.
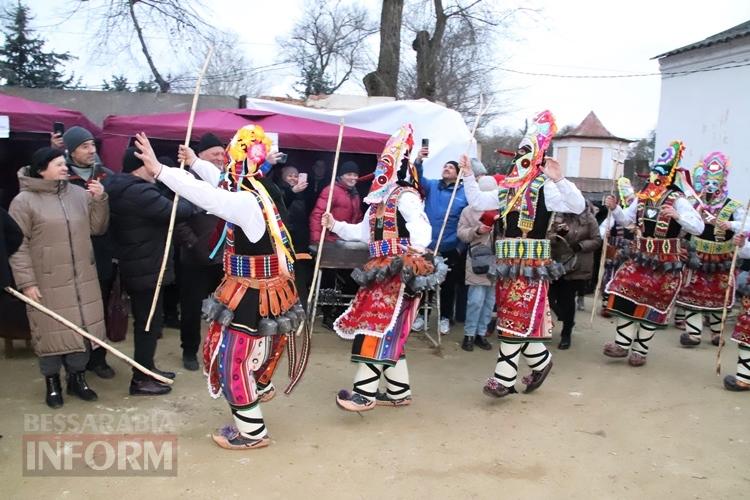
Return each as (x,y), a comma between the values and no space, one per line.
(58,128)
(283,157)
(302,177)
(425,143)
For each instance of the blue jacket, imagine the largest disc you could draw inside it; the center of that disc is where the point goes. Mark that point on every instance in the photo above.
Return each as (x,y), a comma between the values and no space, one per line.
(437,197)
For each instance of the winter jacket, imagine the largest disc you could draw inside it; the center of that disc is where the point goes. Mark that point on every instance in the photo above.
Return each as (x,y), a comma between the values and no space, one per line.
(345,207)
(583,232)
(437,198)
(195,238)
(11,238)
(140,218)
(468,224)
(297,218)
(57,220)
(104,250)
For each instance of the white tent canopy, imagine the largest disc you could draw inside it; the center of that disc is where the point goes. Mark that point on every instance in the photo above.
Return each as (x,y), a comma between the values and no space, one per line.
(448,134)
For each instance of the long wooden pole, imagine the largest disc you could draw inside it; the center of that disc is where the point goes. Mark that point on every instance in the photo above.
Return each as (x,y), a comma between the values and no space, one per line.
(728,294)
(328,209)
(605,244)
(173,215)
(80,331)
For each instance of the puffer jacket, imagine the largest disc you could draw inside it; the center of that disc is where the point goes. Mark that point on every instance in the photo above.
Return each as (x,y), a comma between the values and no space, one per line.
(583,231)
(346,206)
(468,224)
(57,220)
(437,198)
(140,218)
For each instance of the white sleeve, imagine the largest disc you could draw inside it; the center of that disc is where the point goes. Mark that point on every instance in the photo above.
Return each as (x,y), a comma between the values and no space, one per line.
(480,200)
(744,252)
(412,209)
(206,171)
(563,197)
(689,218)
(240,208)
(626,217)
(354,232)
(738,217)
(605,226)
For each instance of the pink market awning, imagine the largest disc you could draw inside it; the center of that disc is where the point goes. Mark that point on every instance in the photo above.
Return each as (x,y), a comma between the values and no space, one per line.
(38,117)
(293,132)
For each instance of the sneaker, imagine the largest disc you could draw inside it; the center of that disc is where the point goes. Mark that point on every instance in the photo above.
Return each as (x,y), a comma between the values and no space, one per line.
(482,343)
(468,344)
(445,326)
(580,304)
(418,324)
(148,387)
(353,402)
(382,399)
(613,350)
(230,438)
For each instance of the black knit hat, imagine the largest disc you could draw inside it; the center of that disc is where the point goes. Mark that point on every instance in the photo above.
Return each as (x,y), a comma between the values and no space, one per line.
(41,158)
(130,162)
(75,136)
(208,141)
(348,167)
(167,161)
(454,163)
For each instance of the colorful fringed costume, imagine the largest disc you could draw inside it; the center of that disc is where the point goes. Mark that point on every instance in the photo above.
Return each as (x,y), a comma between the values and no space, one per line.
(710,253)
(391,283)
(741,334)
(644,289)
(526,200)
(254,312)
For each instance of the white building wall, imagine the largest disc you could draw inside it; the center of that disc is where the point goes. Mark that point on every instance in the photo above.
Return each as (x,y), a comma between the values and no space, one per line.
(610,149)
(709,110)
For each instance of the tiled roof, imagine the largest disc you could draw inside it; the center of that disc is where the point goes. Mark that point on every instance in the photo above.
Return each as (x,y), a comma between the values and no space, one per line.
(591,127)
(725,36)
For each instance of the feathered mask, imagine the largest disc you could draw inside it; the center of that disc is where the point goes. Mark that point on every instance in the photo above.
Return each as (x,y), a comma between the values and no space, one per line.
(393,159)
(710,177)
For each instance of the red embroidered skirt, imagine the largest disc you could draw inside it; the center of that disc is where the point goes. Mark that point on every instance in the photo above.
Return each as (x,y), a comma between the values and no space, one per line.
(643,293)
(523,313)
(703,291)
(741,332)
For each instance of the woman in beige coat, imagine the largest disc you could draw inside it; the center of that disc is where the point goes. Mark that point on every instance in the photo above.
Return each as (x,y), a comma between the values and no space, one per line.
(55,266)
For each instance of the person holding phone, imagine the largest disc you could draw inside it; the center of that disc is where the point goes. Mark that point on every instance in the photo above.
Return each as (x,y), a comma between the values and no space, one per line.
(84,166)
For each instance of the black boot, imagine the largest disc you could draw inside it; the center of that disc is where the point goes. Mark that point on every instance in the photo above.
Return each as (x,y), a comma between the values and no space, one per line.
(565,337)
(54,397)
(77,385)
(147,386)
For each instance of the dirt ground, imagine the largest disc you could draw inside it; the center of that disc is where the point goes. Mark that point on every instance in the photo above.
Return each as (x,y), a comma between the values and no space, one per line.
(597,428)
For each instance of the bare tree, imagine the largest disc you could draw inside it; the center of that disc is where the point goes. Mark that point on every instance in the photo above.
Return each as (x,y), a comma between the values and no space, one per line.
(156,25)
(384,81)
(327,45)
(457,50)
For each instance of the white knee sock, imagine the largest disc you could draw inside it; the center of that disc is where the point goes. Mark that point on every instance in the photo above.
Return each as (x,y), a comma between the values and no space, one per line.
(694,324)
(627,330)
(536,355)
(366,380)
(679,314)
(743,364)
(714,322)
(249,421)
(397,380)
(645,334)
(506,369)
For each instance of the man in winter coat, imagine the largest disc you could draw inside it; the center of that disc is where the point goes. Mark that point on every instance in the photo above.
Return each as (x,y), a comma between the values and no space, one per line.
(140,217)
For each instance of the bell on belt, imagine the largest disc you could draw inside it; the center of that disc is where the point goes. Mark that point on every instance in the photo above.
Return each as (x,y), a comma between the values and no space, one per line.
(300,311)
(267,327)
(293,318)
(284,324)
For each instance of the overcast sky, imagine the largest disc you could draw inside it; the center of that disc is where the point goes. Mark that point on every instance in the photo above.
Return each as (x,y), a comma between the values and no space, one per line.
(572,37)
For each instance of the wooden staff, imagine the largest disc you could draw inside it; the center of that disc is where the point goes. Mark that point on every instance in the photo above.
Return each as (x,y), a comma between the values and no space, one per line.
(173,215)
(605,244)
(80,331)
(482,110)
(323,231)
(728,293)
